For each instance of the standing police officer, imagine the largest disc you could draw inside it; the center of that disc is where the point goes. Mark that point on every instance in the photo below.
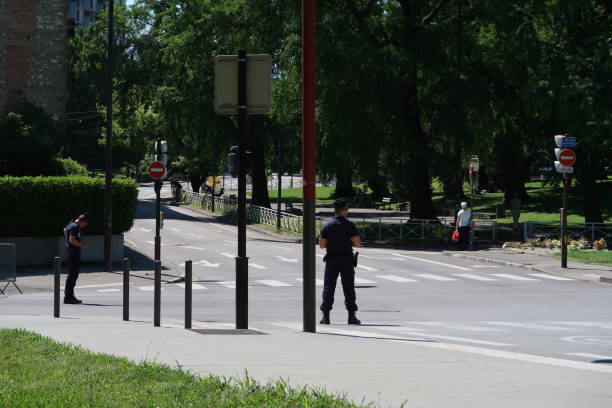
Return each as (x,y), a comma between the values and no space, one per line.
(339,236)
(72,232)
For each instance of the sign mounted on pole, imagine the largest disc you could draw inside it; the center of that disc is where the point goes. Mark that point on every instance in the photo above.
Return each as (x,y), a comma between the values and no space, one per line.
(259,84)
(566,157)
(157,170)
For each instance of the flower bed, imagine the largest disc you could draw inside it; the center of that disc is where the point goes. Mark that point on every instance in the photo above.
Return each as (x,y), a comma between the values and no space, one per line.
(572,244)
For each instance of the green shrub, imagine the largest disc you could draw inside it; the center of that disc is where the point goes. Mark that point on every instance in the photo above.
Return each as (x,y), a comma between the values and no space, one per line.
(42,206)
(72,167)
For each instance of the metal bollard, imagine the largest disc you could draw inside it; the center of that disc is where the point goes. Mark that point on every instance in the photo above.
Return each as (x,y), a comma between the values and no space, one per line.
(126,289)
(157,295)
(188,293)
(57,270)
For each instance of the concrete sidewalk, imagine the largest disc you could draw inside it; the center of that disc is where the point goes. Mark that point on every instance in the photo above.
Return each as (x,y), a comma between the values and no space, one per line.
(538,261)
(383,369)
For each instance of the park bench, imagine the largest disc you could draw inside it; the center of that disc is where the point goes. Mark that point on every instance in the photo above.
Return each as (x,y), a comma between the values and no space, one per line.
(403,207)
(292,210)
(382,205)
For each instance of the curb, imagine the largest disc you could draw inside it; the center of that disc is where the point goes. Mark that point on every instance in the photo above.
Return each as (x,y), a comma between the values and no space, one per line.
(536,268)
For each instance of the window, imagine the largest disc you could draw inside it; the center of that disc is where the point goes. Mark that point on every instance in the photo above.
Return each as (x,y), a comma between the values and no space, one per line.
(78,12)
(91,5)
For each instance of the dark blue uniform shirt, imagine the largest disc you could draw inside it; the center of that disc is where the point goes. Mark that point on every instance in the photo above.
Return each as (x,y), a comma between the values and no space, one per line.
(73,230)
(338,233)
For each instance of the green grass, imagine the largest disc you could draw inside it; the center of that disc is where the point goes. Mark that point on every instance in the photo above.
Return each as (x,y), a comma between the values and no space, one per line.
(35,371)
(323,194)
(597,257)
(543,206)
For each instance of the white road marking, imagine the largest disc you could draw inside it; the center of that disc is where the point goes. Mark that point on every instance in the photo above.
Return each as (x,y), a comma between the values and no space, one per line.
(531,326)
(192,247)
(472,276)
(203,262)
(434,277)
(101,285)
(227,241)
(194,286)
(396,278)
(367,268)
(390,258)
(257,266)
(513,277)
(453,338)
(108,290)
(175,229)
(272,282)
(225,254)
(153,243)
(600,325)
(433,262)
(282,258)
(362,281)
(148,288)
(551,277)
(130,243)
(484,266)
(320,255)
(228,284)
(318,282)
(223,227)
(457,326)
(589,355)
(141,229)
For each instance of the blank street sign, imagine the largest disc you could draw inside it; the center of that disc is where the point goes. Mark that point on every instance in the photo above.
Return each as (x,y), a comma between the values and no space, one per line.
(259,84)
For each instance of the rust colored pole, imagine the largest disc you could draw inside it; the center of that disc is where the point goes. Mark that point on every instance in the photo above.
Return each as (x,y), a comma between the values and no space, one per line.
(308,161)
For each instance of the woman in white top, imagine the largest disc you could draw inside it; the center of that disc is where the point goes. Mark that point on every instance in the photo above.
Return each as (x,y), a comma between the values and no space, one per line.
(462,223)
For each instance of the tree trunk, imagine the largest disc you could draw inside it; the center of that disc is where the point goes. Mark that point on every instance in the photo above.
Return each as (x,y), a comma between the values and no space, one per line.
(379,187)
(344,181)
(196,181)
(592,207)
(260,194)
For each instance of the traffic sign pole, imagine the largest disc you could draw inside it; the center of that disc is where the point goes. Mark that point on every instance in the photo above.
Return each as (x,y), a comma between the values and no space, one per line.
(158,187)
(242,262)
(566,158)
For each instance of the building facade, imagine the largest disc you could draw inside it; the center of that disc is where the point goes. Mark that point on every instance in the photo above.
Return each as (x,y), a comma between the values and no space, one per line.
(33,53)
(82,12)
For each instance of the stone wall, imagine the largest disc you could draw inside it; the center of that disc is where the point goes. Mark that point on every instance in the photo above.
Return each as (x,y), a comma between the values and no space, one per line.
(33,53)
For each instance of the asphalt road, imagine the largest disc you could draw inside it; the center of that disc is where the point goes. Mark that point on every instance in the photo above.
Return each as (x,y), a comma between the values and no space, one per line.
(400,293)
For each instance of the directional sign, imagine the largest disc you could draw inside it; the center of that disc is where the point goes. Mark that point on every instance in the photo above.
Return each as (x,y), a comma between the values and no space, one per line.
(567,157)
(157,170)
(563,169)
(568,142)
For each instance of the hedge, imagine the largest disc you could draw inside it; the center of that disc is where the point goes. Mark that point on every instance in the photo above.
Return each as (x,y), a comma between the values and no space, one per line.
(42,206)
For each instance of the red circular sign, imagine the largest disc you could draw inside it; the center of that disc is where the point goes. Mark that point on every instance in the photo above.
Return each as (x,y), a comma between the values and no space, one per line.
(157,170)
(567,157)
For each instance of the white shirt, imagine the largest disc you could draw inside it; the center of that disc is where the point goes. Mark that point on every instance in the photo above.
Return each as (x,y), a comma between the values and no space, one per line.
(464,217)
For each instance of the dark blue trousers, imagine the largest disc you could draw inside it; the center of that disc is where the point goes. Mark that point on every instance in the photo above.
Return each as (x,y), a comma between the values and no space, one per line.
(74,260)
(343,266)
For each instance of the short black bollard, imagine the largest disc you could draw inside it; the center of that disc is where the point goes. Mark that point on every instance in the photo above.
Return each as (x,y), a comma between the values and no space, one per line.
(126,289)
(188,293)
(157,295)
(57,270)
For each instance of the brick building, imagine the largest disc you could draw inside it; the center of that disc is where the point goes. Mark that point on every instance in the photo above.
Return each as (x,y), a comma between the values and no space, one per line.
(33,53)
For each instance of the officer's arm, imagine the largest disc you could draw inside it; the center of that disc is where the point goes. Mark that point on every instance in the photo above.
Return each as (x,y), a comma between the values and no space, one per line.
(76,243)
(356,241)
(322,243)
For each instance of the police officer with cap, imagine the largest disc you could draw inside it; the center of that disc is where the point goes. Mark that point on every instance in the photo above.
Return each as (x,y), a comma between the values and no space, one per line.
(338,237)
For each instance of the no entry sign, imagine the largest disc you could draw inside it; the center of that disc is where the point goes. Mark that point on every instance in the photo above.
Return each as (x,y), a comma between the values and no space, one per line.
(567,157)
(157,170)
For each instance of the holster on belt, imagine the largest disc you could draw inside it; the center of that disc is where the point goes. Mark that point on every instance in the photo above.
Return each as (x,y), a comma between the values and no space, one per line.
(355,259)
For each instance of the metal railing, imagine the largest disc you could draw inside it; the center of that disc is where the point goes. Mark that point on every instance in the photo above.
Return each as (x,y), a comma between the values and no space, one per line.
(402,229)
(589,230)
(255,213)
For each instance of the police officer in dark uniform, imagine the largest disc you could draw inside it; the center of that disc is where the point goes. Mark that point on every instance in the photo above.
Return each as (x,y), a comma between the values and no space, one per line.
(339,236)
(72,232)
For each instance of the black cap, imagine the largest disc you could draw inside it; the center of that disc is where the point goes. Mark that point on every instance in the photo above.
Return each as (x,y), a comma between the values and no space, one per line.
(340,204)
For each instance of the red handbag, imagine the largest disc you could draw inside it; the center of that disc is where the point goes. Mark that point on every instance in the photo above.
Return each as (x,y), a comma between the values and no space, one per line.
(455,236)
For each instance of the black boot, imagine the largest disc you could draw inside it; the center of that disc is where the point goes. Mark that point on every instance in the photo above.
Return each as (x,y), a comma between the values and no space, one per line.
(352,318)
(325,319)
(72,300)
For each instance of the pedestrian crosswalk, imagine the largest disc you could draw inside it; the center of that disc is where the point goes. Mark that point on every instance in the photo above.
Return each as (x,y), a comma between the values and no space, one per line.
(376,280)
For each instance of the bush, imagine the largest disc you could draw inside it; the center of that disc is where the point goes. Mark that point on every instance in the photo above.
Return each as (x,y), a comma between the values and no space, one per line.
(42,206)
(71,167)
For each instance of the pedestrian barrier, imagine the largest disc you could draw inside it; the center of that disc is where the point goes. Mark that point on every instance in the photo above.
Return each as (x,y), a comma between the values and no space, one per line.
(8,266)
(591,230)
(57,270)
(255,213)
(126,289)
(401,230)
